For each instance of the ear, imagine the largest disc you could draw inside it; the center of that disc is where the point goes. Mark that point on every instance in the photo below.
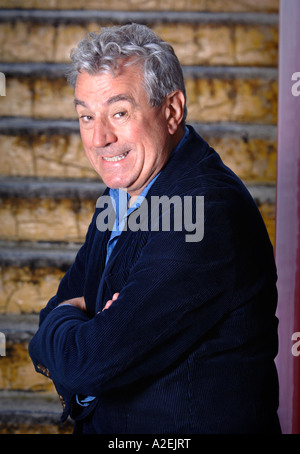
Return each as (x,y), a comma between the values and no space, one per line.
(175,102)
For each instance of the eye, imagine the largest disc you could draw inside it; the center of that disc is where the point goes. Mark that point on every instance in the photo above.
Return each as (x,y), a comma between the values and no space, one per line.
(86,118)
(120,115)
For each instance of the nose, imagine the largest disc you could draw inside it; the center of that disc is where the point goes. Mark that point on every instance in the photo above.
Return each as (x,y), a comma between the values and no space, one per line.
(103,135)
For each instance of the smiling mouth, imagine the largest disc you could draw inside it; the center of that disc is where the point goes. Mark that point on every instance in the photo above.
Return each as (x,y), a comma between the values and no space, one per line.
(116,158)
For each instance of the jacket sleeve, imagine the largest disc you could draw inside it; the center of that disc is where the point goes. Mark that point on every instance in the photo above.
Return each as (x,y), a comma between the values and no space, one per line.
(175,293)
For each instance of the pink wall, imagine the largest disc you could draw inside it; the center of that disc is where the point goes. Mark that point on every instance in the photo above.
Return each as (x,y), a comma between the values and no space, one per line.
(288,214)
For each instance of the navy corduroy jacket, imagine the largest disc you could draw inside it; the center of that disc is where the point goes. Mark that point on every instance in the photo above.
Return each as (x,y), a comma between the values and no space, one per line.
(189,345)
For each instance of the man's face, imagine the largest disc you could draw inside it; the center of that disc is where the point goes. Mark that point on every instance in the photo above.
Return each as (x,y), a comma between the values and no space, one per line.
(126,140)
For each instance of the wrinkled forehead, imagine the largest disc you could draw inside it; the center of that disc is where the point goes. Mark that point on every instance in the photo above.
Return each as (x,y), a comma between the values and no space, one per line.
(106,88)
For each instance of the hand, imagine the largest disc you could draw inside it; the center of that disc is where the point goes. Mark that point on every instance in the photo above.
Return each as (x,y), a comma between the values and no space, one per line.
(109,302)
(76,302)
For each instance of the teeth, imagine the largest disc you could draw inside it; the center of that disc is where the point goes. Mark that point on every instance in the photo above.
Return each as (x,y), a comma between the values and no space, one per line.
(116,158)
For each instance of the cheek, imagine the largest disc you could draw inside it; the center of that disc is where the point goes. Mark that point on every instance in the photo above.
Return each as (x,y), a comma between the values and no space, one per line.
(87,143)
(153,147)
(86,138)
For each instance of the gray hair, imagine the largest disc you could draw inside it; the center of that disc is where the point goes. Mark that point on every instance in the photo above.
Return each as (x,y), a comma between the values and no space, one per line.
(100,52)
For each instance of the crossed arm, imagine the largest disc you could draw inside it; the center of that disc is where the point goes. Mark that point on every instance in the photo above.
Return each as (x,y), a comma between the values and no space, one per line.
(174,294)
(80,303)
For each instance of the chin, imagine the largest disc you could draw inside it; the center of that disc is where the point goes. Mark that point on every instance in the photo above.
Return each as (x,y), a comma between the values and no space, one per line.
(113,184)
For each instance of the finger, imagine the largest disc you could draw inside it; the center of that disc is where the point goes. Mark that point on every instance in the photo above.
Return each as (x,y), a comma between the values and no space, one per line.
(108,304)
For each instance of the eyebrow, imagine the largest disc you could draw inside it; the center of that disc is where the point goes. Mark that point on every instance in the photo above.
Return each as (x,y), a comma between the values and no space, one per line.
(121,97)
(77,102)
(112,100)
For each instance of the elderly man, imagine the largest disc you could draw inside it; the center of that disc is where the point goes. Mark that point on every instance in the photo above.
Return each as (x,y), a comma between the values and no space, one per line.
(153,330)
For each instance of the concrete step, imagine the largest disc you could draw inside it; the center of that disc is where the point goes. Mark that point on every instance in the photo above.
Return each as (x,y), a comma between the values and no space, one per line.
(148,5)
(30,274)
(31,413)
(199,38)
(53,149)
(17,371)
(46,210)
(28,401)
(243,95)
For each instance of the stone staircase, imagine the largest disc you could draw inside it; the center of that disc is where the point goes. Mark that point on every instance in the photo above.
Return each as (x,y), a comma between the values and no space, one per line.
(228,49)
